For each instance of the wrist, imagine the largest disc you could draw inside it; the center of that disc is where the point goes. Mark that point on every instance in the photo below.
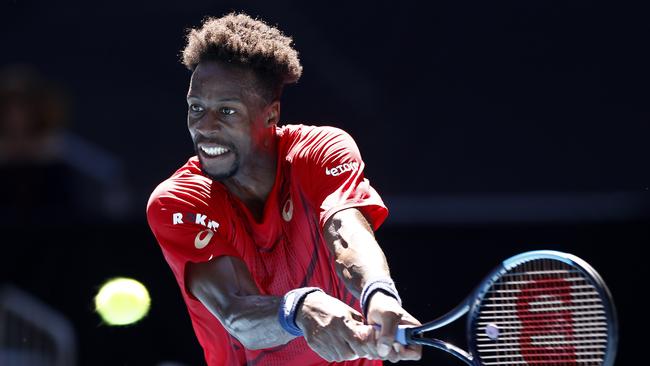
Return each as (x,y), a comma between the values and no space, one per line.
(303,309)
(289,308)
(383,285)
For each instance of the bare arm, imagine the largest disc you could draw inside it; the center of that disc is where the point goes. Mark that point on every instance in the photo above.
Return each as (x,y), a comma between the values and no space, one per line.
(225,286)
(358,259)
(356,253)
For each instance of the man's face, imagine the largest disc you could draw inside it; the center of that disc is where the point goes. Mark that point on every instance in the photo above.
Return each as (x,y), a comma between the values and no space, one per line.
(227,119)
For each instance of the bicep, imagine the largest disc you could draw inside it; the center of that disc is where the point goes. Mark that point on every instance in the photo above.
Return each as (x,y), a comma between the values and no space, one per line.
(346,227)
(220,283)
(357,256)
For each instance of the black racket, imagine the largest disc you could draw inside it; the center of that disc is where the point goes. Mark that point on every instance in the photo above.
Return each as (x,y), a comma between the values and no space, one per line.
(537,308)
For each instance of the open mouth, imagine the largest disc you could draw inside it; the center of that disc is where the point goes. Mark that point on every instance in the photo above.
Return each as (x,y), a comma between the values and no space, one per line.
(214,150)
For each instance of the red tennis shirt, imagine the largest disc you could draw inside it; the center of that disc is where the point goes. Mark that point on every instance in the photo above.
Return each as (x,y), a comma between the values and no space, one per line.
(195,219)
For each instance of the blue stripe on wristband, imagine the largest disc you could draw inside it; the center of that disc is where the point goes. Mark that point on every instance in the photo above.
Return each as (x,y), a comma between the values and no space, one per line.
(385,285)
(288,307)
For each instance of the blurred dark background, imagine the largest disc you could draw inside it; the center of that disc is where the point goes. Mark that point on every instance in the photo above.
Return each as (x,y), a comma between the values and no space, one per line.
(488,128)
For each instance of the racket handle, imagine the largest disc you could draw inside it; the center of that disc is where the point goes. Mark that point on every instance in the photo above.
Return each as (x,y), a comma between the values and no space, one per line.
(400,334)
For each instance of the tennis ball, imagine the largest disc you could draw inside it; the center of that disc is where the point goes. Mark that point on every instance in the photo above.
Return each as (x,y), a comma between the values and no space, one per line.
(122,301)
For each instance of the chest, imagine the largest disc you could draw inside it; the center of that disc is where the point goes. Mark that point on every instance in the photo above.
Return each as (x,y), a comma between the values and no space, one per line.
(286,250)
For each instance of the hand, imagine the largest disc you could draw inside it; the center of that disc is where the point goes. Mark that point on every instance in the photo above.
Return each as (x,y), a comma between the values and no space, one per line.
(334,330)
(386,312)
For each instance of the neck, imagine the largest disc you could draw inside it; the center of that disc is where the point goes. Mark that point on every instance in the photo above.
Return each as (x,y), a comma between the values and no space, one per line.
(253,184)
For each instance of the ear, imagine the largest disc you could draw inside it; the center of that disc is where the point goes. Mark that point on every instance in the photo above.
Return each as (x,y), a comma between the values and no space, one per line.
(273,113)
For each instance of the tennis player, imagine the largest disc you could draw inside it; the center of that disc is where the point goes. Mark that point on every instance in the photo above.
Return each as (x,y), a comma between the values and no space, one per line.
(269,230)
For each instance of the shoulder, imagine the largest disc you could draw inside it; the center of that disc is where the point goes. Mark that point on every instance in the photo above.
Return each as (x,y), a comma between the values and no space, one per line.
(305,141)
(189,215)
(187,190)
(310,133)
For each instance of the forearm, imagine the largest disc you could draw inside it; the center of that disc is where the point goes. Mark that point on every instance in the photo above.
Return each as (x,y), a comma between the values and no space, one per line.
(225,288)
(357,255)
(361,264)
(252,319)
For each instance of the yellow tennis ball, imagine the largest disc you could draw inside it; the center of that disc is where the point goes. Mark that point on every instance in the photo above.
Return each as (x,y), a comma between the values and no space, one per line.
(122,301)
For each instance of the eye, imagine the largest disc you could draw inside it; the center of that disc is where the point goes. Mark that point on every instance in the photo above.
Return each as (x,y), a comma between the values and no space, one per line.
(227,111)
(196,108)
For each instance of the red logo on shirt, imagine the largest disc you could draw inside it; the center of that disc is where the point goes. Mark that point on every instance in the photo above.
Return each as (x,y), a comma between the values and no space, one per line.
(340,169)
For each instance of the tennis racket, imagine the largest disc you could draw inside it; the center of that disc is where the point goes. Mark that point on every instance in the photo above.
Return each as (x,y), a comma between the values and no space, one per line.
(538,308)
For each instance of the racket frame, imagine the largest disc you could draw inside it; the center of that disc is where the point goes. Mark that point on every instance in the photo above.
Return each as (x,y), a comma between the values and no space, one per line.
(472,306)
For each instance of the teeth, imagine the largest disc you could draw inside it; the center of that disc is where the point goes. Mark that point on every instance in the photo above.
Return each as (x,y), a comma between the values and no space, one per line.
(214,151)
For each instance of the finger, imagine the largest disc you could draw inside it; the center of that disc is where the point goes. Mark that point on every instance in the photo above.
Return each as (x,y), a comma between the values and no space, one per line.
(411,352)
(356,341)
(341,348)
(323,347)
(390,320)
(362,341)
(397,347)
(408,319)
(358,348)
(370,342)
(393,356)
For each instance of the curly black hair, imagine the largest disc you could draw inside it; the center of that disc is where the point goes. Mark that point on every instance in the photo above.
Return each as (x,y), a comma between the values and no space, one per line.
(251,43)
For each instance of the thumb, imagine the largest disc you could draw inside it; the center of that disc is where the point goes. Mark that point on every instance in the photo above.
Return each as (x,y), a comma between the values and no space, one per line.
(387,333)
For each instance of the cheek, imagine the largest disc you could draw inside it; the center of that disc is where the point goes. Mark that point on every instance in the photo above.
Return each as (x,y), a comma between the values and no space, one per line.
(241,139)
(192,130)
(260,133)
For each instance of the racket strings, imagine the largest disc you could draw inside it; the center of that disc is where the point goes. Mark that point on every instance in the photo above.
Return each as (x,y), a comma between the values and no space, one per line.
(542,312)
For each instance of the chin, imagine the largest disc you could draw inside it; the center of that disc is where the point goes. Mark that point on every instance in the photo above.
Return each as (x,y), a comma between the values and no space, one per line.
(220,175)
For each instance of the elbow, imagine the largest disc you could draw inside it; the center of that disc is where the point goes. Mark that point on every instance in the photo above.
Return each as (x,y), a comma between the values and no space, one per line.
(242,335)
(250,339)
(232,322)
(253,346)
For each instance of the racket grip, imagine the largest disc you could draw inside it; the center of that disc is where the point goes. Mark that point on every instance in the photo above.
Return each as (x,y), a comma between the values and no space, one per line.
(400,334)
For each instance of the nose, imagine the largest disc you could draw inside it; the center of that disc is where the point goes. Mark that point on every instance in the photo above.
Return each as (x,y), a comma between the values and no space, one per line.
(208,124)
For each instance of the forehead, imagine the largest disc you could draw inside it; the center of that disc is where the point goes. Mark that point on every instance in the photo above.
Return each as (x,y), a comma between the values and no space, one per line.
(212,78)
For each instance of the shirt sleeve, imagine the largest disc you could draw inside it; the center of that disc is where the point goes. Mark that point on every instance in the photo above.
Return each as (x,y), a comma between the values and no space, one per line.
(186,228)
(332,170)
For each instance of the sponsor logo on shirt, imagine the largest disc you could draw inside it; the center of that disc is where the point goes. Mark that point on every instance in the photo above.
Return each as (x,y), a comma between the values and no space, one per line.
(287,210)
(203,238)
(340,169)
(194,218)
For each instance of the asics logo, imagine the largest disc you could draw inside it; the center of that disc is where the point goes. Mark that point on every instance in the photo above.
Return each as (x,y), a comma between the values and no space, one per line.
(202,239)
(340,169)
